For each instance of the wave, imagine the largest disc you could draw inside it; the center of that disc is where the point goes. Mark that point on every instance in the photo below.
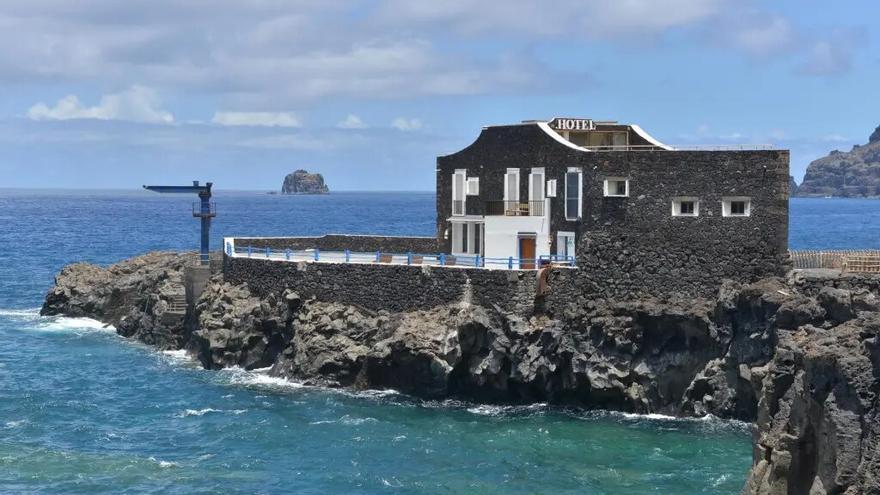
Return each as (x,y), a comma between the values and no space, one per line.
(201,412)
(63,323)
(259,379)
(21,313)
(34,321)
(163,464)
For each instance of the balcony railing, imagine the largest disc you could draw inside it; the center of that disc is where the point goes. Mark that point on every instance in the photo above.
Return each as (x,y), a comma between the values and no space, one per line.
(516,208)
(457,207)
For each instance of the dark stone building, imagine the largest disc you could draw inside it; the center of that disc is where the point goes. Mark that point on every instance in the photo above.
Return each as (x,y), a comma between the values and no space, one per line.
(639,217)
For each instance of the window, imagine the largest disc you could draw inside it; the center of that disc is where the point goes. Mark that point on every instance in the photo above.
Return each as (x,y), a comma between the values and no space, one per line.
(565,245)
(473,186)
(573,188)
(468,237)
(736,207)
(458,192)
(511,185)
(536,192)
(685,207)
(551,188)
(616,187)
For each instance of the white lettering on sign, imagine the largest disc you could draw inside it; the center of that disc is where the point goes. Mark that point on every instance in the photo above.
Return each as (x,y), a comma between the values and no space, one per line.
(572,124)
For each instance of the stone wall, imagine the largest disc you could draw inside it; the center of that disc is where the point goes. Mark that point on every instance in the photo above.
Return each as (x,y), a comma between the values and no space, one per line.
(341,242)
(633,247)
(399,287)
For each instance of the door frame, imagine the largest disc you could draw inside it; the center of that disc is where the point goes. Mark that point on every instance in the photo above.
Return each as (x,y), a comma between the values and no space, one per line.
(519,238)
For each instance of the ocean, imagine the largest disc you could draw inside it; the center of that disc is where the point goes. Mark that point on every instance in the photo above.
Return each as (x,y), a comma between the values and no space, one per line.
(85,411)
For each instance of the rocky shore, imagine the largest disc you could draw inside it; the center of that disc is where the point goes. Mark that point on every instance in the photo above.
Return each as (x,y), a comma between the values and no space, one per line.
(798,357)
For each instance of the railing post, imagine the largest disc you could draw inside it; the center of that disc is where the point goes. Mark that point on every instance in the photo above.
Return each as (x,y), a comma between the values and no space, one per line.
(347,255)
(378,255)
(477,260)
(510,263)
(571,260)
(229,249)
(268,251)
(287,254)
(250,250)
(442,259)
(317,254)
(409,258)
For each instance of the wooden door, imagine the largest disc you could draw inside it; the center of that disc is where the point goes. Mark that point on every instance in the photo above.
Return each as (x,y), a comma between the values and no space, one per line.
(527,253)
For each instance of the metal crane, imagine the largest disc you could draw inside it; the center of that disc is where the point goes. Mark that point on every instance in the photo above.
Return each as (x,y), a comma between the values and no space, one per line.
(204,209)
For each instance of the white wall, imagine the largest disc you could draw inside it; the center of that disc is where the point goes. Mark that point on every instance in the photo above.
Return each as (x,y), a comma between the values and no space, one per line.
(502,233)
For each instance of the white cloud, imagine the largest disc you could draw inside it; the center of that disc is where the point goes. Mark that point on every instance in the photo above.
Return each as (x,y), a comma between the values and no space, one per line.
(406,125)
(825,59)
(763,36)
(138,104)
(352,122)
(257,119)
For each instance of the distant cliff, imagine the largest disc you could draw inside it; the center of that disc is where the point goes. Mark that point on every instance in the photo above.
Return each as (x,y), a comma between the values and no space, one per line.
(855,173)
(302,182)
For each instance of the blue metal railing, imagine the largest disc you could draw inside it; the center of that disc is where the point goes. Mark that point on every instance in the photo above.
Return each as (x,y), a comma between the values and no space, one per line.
(409,258)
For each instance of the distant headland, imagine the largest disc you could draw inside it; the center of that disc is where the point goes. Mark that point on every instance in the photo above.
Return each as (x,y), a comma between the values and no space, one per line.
(303,182)
(854,173)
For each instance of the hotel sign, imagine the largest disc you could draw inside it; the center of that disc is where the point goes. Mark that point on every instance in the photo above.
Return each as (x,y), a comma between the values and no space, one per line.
(562,124)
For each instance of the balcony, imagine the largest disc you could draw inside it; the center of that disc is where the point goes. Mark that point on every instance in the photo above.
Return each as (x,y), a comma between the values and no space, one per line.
(515,208)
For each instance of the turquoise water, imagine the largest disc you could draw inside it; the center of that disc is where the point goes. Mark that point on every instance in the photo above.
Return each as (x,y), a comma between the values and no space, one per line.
(85,411)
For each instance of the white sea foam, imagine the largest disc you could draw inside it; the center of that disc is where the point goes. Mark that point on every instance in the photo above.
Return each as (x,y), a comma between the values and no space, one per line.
(21,313)
(239,376)
(651,416)
(16,424)
(197,412)
(65,323)
(488,410)
(163,464)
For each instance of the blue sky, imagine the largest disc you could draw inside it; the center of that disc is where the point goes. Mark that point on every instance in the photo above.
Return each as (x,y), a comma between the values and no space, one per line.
(109,94)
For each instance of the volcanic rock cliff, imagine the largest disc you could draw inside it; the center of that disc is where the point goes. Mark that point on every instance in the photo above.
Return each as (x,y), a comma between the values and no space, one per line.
(303,182)
(855,173)
(799,357)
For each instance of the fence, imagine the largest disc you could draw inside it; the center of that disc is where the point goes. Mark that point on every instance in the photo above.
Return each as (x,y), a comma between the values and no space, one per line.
(862,261)
(379,257)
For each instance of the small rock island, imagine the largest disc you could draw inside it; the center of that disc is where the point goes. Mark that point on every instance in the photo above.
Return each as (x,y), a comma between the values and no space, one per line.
(303,182)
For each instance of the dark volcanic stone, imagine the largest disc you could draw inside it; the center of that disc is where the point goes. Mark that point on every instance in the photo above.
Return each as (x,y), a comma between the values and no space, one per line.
(847,174)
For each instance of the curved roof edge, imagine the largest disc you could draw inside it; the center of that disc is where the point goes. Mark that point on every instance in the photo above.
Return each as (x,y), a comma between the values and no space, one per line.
(647,137)
(546,128)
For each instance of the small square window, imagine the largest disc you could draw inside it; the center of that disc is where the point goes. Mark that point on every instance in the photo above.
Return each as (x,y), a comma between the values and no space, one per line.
(685,207)
(616,187)
(736,207)
(473,186)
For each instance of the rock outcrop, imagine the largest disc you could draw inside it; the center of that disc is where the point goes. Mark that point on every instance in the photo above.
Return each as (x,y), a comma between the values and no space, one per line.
(134,295)
(303,182)
(855,173)
(792,186)
(797,357)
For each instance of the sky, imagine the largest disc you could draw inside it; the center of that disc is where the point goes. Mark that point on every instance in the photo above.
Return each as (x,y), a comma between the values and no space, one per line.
(115,94)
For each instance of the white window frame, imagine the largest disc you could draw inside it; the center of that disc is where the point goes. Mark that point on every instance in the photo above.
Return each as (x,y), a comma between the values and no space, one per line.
(607,188)
(537,194)
(551,188)
(465,231)
(472,186)
(455,192)
(508,176)
(676,206)
(726,206)
(580,174)
(561,237)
